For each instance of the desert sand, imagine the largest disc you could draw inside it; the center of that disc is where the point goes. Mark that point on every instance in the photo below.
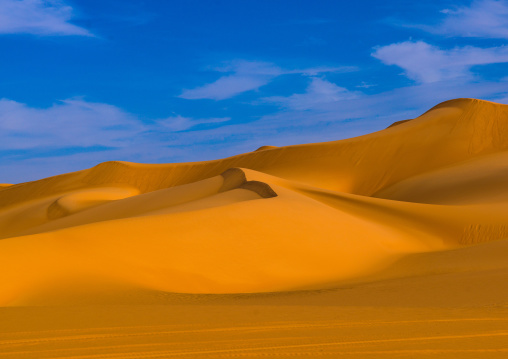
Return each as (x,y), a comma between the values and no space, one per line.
(391,244)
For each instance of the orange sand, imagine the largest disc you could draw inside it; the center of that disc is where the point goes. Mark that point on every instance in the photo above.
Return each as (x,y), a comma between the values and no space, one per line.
(388,245)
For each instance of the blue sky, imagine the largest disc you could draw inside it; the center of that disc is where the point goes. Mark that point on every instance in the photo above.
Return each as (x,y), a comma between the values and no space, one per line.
(84,82)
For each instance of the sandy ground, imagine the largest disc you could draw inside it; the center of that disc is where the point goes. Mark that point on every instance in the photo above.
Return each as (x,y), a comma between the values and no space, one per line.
(391,244)
(253,331)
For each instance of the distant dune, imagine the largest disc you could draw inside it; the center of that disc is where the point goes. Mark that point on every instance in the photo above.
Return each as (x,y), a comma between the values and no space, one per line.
(277,219)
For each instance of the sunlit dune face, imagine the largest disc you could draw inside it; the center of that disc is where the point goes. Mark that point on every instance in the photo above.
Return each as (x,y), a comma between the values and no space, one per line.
(272,220)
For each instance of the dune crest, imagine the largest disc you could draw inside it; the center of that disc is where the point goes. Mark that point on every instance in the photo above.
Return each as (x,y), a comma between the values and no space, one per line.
(275,219)
(262,148)
(237,178)
(398,123)
(81,200)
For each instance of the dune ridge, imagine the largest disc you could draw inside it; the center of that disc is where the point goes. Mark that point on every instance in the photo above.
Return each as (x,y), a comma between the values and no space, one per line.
(396,123)
(276,219)
(263,148)
(237,178)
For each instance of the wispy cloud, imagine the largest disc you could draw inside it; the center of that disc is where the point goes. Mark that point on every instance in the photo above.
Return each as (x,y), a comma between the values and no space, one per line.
(38,17)
(72,122)
(483,18)
(180,123)
(317,93)
(79,123)
(247,76)
(426,63)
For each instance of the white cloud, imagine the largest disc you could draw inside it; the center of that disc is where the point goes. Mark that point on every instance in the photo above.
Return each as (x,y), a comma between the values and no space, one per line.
(314,71)
(318,92)
(227,87)
(38,17)
(247,76)
(483,18)
(245,67)
(79,123)
(180,123)
(426,63)
(72,122)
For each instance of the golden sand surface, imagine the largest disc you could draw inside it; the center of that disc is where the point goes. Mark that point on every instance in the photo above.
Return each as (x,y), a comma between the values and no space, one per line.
(393,245)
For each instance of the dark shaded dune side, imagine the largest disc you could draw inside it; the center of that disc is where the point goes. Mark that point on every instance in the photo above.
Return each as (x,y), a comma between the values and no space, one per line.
(233,178)
(56,210)
(479,180)
(261,188)
(237,178)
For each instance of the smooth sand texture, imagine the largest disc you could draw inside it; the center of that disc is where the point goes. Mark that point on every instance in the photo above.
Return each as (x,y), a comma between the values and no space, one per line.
(391,244)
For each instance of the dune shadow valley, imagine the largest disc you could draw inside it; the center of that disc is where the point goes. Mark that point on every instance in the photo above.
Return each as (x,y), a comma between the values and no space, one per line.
(393,244)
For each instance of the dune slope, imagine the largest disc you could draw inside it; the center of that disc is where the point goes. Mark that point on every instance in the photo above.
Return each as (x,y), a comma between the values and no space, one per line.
(276,219)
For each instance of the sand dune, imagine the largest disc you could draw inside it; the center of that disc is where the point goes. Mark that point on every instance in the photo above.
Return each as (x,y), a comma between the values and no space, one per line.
(276,219)
(415,215)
